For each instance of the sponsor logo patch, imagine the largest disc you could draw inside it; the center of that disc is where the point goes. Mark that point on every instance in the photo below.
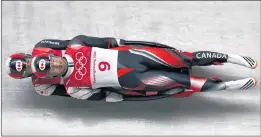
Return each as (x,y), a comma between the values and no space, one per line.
(210,55)
(50,42)
(19,65)
(42,64)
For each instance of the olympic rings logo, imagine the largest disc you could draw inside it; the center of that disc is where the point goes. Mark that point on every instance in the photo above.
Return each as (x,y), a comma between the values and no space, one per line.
(80,66)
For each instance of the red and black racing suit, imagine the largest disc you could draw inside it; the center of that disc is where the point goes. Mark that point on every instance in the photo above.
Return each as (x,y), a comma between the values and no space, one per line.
(153,67)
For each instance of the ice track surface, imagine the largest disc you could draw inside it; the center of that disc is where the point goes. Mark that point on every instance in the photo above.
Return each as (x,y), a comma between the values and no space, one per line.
(229,27)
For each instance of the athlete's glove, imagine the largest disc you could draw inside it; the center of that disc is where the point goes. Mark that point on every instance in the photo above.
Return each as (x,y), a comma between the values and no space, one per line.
(81,93)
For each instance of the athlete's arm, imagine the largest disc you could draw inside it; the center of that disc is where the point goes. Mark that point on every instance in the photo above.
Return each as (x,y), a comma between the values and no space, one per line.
(81,93)
(101,42)
(48,87)
(111,42)
(94,94)
(145,43)
(60,91)
(51,90)
(106,42)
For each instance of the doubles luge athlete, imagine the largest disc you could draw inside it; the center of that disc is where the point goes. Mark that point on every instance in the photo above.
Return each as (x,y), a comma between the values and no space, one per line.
(91,66)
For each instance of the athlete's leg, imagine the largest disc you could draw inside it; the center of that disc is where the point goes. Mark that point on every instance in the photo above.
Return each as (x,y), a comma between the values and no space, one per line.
(163,81)
(207,85)
(149,70)
(181,59)
(154,81)
(132,64)
(157,58)
(204,58)
(204,84)
(177,58)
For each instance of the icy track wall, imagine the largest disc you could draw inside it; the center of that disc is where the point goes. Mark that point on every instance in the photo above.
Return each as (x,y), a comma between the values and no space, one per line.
(229,27)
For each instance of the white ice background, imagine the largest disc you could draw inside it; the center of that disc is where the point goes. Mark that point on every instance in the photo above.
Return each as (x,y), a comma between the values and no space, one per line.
(227,27)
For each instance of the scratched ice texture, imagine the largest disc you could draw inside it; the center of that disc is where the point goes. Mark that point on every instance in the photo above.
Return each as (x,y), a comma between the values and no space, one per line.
(228,27)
